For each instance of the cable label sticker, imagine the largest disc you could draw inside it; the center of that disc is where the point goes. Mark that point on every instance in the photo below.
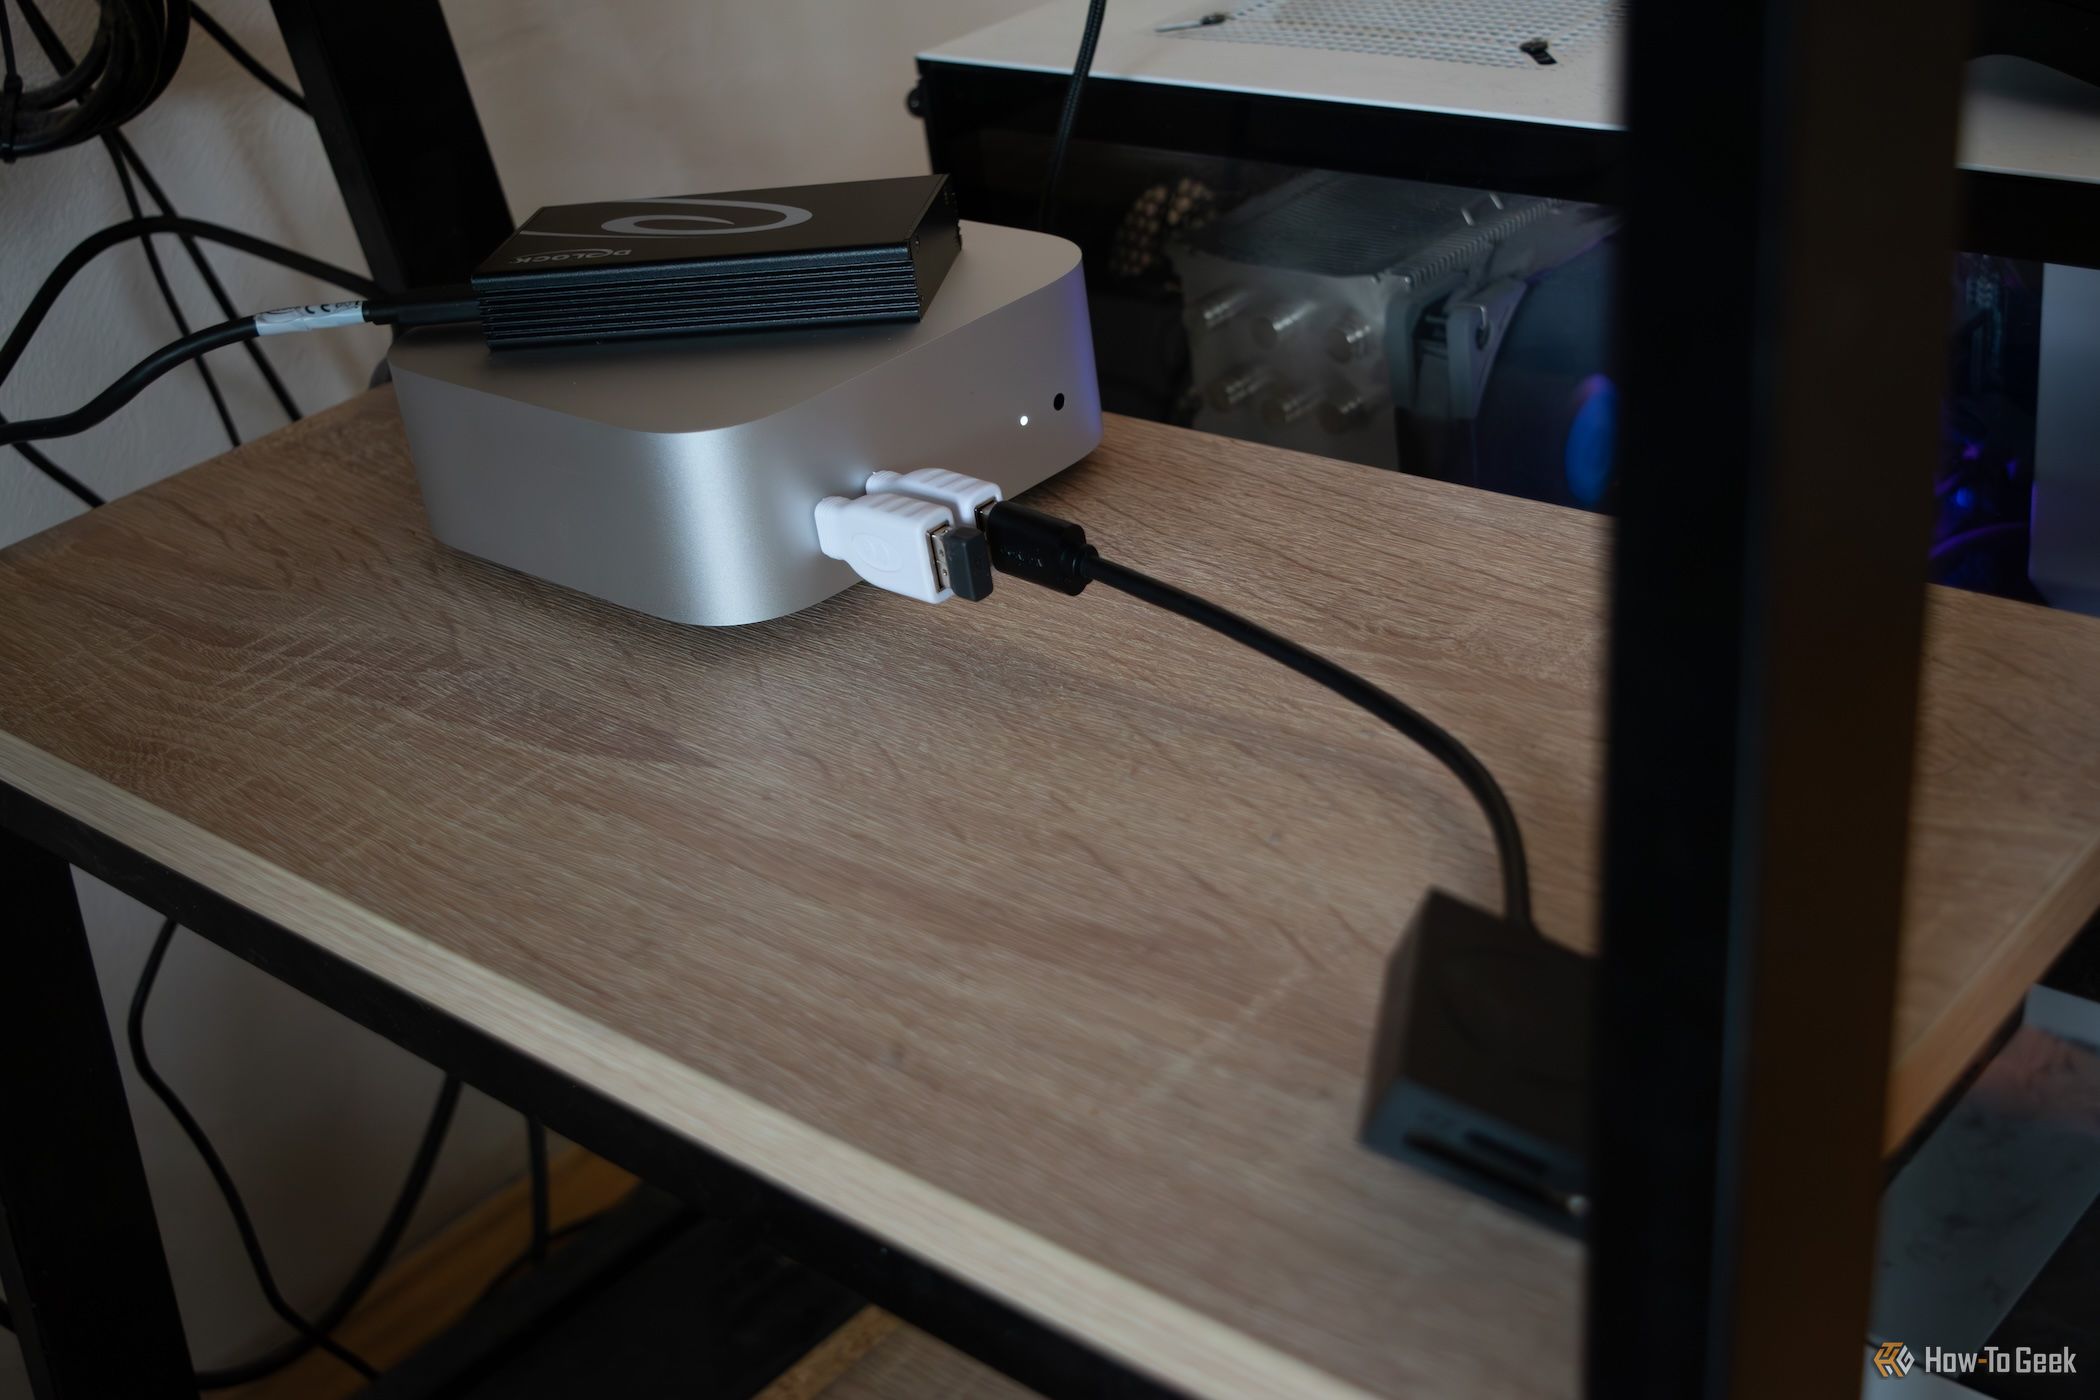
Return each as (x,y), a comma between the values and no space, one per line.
(318,316)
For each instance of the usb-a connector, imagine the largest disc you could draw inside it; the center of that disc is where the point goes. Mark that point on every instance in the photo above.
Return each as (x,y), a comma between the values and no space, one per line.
(966,497)
(914,533)
(889,541)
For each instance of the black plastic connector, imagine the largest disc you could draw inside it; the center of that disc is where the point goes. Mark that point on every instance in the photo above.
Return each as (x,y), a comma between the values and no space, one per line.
(1480,1069)
(965,562)
(433,306)
(1041,548)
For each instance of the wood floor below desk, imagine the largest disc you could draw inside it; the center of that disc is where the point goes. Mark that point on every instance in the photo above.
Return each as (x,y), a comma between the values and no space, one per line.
(873,1357)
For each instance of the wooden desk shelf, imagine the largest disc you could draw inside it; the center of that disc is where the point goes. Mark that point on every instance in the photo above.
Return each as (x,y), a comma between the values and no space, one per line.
(737,879)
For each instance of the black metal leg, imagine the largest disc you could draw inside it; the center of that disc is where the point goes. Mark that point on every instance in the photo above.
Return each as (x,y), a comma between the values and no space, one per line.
(80,1251)
(1767,616)
(392,106)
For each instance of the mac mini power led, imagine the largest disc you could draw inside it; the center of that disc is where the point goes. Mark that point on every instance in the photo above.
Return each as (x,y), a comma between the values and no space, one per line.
(679,477)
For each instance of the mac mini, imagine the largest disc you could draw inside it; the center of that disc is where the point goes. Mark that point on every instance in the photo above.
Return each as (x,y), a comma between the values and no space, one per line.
(680,477)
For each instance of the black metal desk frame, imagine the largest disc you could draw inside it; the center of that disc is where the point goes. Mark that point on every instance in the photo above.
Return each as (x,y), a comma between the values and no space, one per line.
(1740,733)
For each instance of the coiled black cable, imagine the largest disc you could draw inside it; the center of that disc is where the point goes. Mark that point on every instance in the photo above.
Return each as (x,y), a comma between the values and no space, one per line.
(137,47)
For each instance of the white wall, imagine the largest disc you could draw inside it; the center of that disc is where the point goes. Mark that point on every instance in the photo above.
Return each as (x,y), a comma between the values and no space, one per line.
(315,1117)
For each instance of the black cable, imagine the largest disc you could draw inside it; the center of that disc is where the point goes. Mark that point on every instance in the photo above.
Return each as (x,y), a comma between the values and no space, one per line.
(210,276)
(130,383)
(410,310)
(137,48)
(7,48)
(517,1265)
(84,493)
(383,1245)
(167,296)
(1088,38)
(95,244)
(542,1190)
(135,1030)
(247,60)
(10,84)
(543,1235)
(579,1225)
(10,102)
(375,1258)
(1041,548)
(68,86)
(1418,727)
(62,60)
(430,306)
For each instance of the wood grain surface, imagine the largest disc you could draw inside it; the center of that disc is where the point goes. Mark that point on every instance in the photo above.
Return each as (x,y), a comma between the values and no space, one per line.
(906,1364)
(846,1351)
(1040,936)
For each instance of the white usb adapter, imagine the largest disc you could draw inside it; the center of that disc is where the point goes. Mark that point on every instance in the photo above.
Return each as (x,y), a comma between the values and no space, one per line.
(911,532)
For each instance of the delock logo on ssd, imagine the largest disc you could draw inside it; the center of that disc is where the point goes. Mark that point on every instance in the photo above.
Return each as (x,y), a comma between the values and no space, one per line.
(671,224)
(573,255)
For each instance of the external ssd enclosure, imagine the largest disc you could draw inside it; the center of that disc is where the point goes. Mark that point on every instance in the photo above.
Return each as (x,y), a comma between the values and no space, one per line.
(812,255)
